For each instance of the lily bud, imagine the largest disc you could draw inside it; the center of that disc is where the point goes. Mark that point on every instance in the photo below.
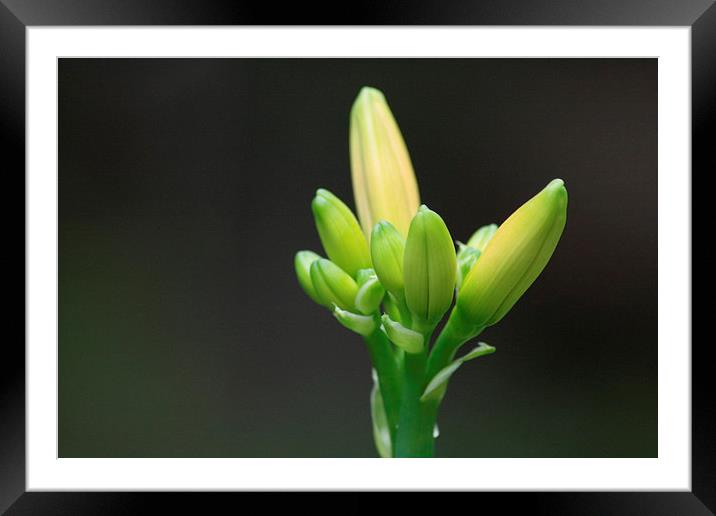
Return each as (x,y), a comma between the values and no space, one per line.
(466,258)
(387,247)
(333,286)
(340,233)
(409,340)
(302,263)
(481,237)
(370,292)
(518,251)
(363,325)
(384,183)
(429,268)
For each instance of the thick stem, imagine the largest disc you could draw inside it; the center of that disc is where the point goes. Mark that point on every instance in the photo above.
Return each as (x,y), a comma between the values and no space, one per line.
(386,367)
(417,419)
(416,425)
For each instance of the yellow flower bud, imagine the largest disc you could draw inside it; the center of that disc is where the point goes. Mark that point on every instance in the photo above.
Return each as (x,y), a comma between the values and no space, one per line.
(384,183)
(517,253)
(340,233)
(333,286)
(429,268)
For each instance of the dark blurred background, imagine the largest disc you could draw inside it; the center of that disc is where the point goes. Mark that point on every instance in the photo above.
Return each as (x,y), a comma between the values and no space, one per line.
(184,191)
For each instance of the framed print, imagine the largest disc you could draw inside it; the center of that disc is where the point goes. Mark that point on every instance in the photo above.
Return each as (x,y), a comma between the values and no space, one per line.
(417,252)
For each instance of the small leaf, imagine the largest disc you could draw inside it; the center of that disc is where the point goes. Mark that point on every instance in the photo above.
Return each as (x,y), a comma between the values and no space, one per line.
(409,340)
(436,387)
(480,350)
(361,324)
(432,390)
(381,431)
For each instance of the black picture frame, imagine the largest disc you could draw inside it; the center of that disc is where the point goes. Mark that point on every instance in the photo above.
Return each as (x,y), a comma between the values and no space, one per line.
(17,15)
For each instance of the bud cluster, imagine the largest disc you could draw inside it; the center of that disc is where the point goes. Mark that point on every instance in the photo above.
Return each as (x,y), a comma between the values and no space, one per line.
(413,279)
(417,273)
(393,272)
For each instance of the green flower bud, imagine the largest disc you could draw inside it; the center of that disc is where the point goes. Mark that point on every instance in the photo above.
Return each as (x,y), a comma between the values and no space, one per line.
(332,285)
(340,233)
(409,340)
(370,292)
(429,268)
(302,263)
(387,247)
(363,325)
(466,258)
(518,251)
(384,183)
(481,237)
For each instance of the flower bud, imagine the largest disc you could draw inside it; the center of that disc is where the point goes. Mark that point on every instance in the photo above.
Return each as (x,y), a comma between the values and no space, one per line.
(518,251)
(302,263)
(332,285)
(370,292)
(409,340)
(429,268)
(363,325)
(387,247)
(384,183)
(340,233)
(466,258)
(481,237)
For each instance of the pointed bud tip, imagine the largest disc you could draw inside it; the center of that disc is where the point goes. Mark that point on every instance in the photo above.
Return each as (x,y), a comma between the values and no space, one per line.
(381,226)
(370,93)
(323,193)
(367,97)
(305,253)
(556,186)
(556,190)
(318,200)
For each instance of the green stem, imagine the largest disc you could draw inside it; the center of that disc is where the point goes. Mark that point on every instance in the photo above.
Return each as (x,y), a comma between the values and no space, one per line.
(455,333)
(386,367)
(417,419)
